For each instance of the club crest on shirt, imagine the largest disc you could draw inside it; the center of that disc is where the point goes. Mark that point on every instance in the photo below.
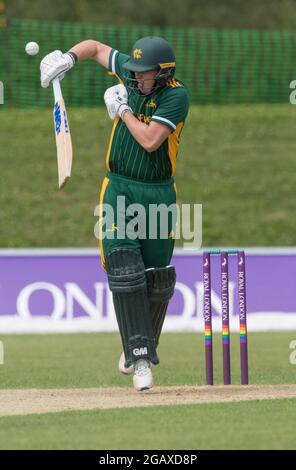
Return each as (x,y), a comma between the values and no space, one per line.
(151,104)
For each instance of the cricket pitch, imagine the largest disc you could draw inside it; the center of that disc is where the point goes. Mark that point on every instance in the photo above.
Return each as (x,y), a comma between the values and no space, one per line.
(35,401)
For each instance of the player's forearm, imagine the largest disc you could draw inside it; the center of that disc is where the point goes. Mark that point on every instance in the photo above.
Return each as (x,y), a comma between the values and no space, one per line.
(91,49)
(140,132)
(85,49)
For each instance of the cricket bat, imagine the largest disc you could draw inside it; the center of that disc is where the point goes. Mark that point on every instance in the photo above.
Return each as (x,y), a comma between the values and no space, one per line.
(62,134)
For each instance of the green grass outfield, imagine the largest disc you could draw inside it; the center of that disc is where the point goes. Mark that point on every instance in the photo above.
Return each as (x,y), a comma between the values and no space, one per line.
(254,425)
(90,360)
(238,161)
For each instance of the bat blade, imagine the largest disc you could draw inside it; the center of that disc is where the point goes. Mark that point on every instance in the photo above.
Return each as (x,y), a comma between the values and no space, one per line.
(63,142)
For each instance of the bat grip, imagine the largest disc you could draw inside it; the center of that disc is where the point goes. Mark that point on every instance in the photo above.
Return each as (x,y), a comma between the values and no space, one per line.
(57,90)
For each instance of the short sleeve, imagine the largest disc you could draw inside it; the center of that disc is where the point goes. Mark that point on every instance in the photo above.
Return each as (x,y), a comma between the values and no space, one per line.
(116,60)
(172,108)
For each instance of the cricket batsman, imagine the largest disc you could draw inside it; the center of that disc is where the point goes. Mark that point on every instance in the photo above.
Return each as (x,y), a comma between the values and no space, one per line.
(148,108)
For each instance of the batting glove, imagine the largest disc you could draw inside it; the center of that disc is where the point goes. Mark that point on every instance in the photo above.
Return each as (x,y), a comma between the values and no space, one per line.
(116,100)
(54,65)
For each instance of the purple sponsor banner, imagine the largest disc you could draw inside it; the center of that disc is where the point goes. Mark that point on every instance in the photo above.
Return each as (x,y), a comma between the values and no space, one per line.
(72,285)
(17,273)
(271,280)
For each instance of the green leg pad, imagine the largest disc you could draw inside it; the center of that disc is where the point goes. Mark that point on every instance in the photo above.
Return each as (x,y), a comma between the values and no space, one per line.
(161,284)
(127,282)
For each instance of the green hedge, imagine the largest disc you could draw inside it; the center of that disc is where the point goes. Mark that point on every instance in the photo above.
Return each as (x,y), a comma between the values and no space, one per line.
(218,66)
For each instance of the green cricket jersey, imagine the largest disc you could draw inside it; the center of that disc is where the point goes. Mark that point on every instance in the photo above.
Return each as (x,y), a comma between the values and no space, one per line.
(167,105)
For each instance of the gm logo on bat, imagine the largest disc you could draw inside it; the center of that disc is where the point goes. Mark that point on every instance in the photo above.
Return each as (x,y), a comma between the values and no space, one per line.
(66,122)
(57,118)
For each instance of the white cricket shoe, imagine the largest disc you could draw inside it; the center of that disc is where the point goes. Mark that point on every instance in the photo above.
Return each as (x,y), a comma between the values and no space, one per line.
(143,379)
(122,368)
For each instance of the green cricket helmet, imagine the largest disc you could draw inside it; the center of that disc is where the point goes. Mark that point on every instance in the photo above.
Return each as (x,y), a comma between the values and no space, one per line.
(150,53)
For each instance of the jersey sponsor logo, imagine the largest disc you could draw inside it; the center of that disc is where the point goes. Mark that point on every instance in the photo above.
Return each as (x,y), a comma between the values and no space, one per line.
(151,104)
(137,54)
(140,351)
(173,83)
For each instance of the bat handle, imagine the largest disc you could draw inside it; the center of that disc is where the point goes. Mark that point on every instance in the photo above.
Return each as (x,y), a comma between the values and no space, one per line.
(57,90)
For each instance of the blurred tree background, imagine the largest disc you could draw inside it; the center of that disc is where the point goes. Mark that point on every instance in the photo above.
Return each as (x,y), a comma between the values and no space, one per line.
(255,14)
(237,155)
